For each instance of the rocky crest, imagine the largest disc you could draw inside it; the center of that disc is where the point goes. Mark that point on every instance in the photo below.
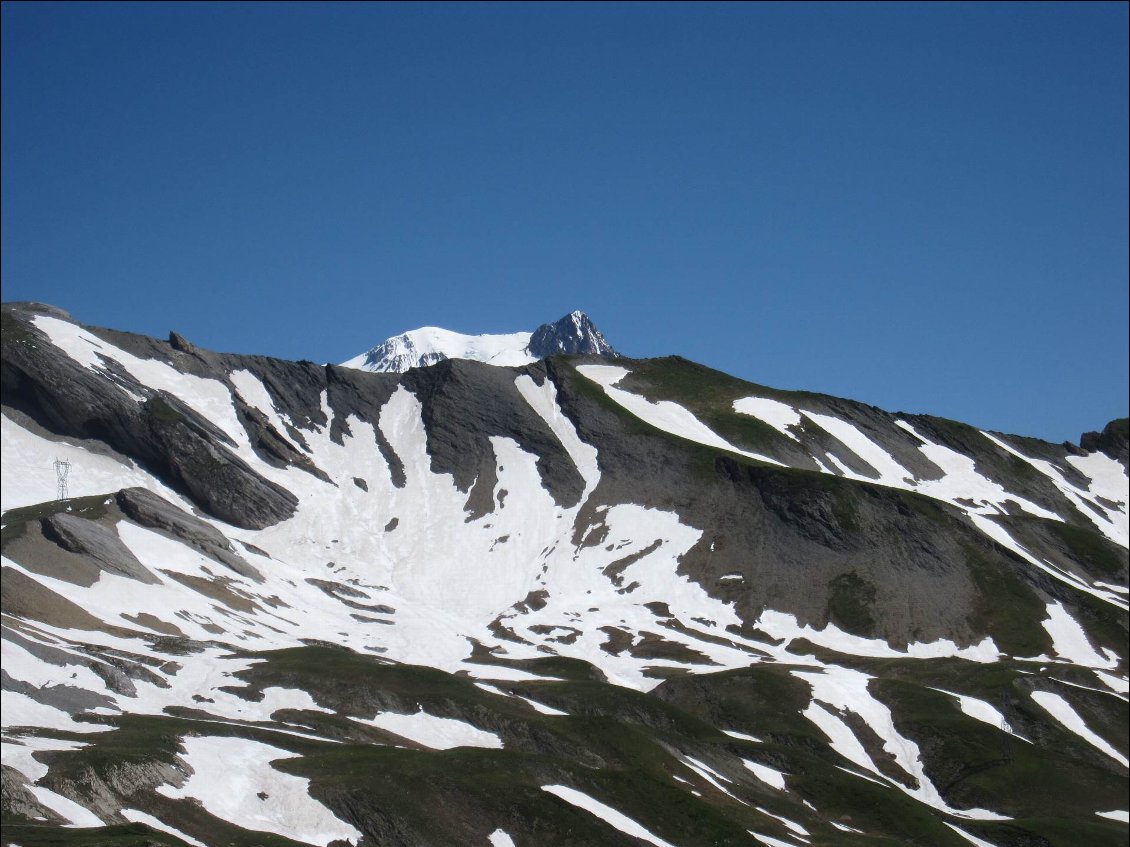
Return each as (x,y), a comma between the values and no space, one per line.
(574,334)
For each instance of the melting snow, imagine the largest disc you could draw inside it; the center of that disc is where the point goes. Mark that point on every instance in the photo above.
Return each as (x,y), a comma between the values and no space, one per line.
(846,689)
(982,711)
(21,755)
(430,731)
(136,816)
(607,814)
(793,826)
(770,840)
(770,776)
(780,625)
(1062,711)
(1069,639)
(665,415)
(778,415)
(64,807)
(1116,815)
(255,796)
(972,839)
(1108,480)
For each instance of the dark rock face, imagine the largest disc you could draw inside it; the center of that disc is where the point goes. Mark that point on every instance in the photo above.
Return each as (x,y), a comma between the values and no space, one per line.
(1114,440)
(573,334)
(145,508)
(96,542)
(465,404)
(186,451)
(19,801)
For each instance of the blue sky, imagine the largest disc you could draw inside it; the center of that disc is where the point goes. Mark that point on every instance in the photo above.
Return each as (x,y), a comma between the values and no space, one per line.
(919,206)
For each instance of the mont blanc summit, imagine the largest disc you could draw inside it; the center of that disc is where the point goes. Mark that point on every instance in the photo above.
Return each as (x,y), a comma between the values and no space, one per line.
(518,589)
(574,333)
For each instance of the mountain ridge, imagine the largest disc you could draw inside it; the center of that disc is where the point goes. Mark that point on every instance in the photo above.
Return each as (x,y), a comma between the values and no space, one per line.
(588,586)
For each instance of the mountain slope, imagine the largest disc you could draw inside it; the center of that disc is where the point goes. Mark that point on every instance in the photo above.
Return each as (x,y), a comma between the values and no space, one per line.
(563,603)
(418,348)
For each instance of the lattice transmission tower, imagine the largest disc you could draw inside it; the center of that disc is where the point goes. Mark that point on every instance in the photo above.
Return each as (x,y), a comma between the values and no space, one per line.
(62,471)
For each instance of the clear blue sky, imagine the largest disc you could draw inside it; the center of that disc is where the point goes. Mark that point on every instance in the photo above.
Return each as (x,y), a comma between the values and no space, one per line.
(919,206)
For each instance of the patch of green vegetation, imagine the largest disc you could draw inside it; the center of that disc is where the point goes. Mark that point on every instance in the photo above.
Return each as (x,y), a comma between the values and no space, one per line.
(136,739)
(710,396)
(1006,609)
(700,460)
(562,667)
(129,835)
(885,814)
(590,390)
(934,511)
(991,459)
(767,701)
(337,672)
(13,329)
(798,487)
(1096,553)
(1037,448)
(850,603)
(764,700)
(1055,832)
(158,408)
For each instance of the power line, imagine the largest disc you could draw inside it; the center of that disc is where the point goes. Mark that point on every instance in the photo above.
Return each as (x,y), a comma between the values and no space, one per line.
(62,471)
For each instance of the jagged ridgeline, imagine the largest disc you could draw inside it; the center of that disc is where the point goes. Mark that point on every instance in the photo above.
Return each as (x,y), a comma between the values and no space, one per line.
(575,600)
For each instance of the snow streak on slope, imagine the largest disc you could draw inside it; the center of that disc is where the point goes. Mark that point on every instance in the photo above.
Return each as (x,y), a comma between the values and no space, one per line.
(665,415)
(982,711)
(962,484)
(136,816)
(781,416)
(844,689)
(768,775)
(1107,483)
(431,731)
(1063,712)
(606,813)
(1104,501)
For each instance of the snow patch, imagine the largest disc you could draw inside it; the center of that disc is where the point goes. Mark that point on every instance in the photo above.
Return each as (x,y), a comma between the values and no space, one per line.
(778,415)
(770,776)
(135,816)
(664,414)
(431,731)
(1058,707)
(1069,639)
(254,795)
(606,813)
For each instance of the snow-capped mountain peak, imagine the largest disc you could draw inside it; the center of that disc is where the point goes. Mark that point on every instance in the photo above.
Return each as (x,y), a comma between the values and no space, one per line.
(574,333)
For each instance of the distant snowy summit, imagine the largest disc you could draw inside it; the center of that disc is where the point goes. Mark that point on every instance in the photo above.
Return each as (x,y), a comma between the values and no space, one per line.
(574,333)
